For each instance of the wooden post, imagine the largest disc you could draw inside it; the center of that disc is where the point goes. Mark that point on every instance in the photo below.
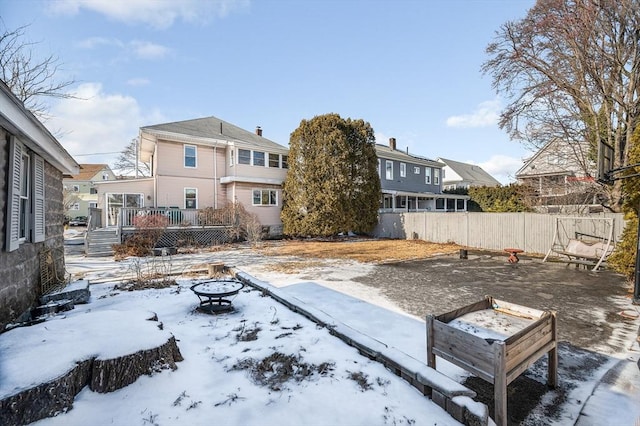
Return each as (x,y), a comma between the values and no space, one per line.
(552,374)
(500,384)
(431,358)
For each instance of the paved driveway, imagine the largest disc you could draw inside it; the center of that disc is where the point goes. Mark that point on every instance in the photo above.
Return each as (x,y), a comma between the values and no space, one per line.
(587,303)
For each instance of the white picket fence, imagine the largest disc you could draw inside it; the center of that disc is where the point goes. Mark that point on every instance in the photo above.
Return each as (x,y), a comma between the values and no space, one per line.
(531,232)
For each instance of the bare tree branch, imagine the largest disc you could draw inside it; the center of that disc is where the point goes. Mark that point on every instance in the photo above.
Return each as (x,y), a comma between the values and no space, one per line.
(31,79)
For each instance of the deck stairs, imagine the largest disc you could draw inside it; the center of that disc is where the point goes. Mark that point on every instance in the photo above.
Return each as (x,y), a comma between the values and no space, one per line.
(99,241)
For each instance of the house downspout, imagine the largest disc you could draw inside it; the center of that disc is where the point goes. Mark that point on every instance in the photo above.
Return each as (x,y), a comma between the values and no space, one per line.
(215,176)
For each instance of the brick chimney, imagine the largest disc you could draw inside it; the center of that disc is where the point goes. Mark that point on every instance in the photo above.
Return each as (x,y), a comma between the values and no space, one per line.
(258,131)
(392,143)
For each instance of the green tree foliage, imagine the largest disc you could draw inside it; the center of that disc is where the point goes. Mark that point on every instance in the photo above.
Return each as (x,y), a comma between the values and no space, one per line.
(623,258)
(332,185)
(510,198)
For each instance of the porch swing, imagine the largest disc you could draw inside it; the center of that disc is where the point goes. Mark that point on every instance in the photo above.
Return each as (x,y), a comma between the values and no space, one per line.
(584,241)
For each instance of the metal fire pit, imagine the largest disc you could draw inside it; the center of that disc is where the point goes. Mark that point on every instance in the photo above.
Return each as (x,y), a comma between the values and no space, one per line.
(213,293)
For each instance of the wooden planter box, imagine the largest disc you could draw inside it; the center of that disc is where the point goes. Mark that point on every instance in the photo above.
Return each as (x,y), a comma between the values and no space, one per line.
(511,339)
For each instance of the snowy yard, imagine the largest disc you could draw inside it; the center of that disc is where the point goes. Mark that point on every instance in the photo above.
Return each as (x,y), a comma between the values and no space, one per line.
(262,364)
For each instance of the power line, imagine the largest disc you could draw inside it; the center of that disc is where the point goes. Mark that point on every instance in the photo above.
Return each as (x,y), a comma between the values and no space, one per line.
(97,153)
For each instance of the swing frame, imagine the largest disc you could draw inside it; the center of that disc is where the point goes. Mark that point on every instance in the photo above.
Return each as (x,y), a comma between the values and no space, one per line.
(591,251)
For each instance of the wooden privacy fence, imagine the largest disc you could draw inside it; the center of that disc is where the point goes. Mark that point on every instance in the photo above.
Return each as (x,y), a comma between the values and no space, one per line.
(531,232)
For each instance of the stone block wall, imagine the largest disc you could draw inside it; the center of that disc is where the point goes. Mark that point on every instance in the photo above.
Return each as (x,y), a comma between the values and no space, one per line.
(20,269)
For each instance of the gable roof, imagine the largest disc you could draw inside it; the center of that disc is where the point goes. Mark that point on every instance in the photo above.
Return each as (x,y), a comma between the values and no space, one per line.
(568,152)
(19,121)
(471,173)
(88,171)
(211,130)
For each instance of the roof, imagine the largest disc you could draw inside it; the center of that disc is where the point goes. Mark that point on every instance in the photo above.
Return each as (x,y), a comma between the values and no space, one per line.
(471,173)
(88,171)
(385,151)
(19,121)
(211,130)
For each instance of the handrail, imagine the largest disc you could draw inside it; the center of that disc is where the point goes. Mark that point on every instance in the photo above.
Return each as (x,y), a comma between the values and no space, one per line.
(173,217)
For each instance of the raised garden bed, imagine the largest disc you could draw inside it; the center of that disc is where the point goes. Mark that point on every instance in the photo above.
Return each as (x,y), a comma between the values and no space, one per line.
(496,341)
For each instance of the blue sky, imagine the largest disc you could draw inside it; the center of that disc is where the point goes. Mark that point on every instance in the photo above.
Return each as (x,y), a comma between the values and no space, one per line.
(410,68)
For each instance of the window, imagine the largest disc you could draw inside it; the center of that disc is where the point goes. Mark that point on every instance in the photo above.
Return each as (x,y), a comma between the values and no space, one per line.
(75,188)
(26,199)
(389,169)
(190,156)
(93,191)
(265,197)
(285,161)
(244,156)
(258,158)
(416,170)
(105,176)
(436,176)
(190,198)
(75,206)
(231,156)
(427,175)
(403,170)
(274,160)
(93,205)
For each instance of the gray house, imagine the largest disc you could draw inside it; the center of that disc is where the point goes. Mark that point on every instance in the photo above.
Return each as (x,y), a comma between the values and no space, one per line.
(413,183)
(32,165)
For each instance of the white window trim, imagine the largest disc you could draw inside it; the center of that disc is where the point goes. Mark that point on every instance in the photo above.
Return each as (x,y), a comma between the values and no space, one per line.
(264,158)
(388,169)
(184,156)
(268,161)
(436,176)
(250,157)
(232,152)
(403,170)
(416,170)
(184,198)
(427,175)
(261,194)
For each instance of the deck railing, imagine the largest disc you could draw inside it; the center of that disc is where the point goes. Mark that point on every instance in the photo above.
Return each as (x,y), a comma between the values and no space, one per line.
(131,217)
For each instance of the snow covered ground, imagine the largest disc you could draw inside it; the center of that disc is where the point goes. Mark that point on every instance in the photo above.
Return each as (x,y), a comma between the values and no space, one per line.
(232,369)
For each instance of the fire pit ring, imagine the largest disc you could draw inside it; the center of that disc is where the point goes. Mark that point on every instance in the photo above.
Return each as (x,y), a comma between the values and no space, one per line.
(212,294)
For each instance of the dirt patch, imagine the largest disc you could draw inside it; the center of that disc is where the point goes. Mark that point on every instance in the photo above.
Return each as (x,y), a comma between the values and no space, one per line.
(277,369)
(293,267)
(361,249)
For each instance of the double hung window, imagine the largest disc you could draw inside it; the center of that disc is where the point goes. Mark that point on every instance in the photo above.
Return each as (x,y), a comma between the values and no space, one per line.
(244,156)
(190,156)
(26,201)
